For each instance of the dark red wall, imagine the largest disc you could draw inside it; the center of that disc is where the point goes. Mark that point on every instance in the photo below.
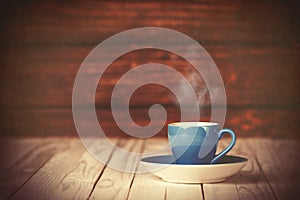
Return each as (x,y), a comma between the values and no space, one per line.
(255,45)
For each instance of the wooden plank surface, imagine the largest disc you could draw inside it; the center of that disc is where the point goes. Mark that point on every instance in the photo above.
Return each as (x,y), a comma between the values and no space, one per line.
(51,173)
(11,155)
(87,170)
(246,122)
(28,164)
(114,184)
(242,82)
(250,183)
(146,185)
(279,162)
(65,170)
(43,43)
(155,13)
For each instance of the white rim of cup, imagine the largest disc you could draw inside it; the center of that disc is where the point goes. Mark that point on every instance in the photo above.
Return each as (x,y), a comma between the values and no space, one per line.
(193,124)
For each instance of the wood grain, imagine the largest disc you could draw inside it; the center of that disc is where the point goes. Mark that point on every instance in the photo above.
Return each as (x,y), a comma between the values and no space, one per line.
(256,180)
(249,74)
(221,190)
(13,150)
(183,191)
(114,184)
(146,185)
(59,168)
(266,122)
(51,173)
(251,182)
(43,43)
(206,16)
(79,181)
(28,165)
(278,160)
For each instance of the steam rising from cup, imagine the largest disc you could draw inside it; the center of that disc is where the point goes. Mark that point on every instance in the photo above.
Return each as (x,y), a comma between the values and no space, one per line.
(189,93)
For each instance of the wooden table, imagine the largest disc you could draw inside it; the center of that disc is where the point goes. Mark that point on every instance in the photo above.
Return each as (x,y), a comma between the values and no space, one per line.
(61,168)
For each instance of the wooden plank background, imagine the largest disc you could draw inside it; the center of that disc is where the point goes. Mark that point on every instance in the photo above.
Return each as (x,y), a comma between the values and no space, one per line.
(60,168)
(254,44)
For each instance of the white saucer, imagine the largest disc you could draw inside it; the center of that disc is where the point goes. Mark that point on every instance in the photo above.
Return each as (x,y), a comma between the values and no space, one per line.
(187,173)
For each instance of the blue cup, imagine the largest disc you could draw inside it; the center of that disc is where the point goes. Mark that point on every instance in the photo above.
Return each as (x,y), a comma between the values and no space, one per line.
(196,142)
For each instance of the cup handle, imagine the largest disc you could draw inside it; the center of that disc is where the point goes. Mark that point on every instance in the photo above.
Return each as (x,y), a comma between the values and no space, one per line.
(228,148)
